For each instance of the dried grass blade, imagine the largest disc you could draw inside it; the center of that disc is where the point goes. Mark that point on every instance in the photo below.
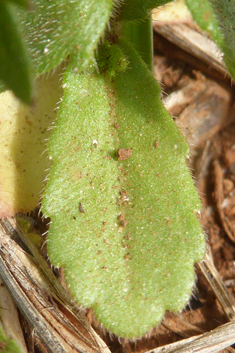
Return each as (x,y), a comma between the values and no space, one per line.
(42,302)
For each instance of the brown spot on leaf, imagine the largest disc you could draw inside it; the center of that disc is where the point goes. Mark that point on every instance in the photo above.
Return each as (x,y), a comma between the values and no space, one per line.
(120,217)
(122,220)
(117,126)
(127,256)
(124,153)
(123,192)
(107,157)
(81,208)
(123,223)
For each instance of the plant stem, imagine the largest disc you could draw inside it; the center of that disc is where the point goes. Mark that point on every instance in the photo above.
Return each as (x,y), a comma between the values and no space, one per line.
(141,35)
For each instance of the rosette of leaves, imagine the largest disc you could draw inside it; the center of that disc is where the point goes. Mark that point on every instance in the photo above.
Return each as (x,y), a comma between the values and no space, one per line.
(122,203)
(121,199)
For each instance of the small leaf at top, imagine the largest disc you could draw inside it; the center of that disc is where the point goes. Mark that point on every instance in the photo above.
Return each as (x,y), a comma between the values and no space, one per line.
(14,62)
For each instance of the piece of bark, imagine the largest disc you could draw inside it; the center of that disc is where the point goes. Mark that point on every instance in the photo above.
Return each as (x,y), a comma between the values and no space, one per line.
(195,43)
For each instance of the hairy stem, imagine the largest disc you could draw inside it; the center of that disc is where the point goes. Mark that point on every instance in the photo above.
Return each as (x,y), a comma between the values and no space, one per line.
(141,35)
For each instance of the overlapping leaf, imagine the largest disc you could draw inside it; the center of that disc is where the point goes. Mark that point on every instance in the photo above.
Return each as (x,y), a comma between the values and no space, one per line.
(121,199)
(217,18)
(23,134)
(14,62)
(58,28)
(224,11)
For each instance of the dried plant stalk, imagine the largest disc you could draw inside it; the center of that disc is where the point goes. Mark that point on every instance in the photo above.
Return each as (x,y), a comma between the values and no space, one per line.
(41,299)
(194,43)
(211,274)
(219,338)
(209,342)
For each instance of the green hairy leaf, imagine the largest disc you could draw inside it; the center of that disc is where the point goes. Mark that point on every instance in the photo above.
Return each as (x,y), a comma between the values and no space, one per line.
(14,62)
(217,18)
(121,199)
(56,29)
